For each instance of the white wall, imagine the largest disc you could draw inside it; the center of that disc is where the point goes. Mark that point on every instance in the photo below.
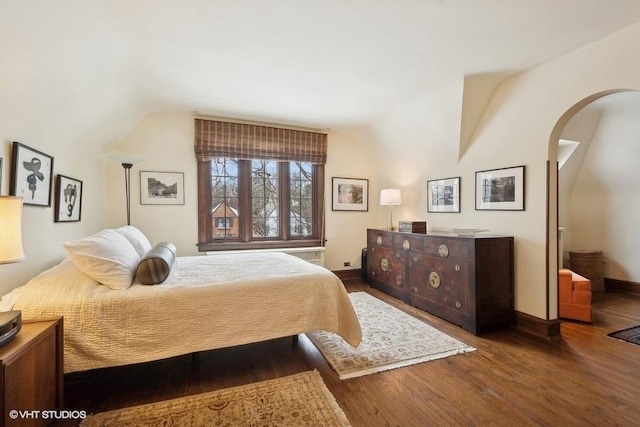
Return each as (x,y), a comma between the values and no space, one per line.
(581,128)
(604,204)
(165,142)
(162,142)
(42,237)
(520,126)
(407,146)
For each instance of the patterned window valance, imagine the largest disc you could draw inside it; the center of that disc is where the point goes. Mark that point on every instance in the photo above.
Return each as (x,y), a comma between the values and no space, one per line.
(244,141)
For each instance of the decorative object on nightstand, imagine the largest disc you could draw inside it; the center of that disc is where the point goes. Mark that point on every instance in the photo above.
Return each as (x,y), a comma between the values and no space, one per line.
(390,197)
(10,251)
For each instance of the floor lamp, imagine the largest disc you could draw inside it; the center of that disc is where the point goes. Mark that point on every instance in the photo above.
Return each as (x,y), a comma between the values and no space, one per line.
(390,197)
(127,188)
(127,161)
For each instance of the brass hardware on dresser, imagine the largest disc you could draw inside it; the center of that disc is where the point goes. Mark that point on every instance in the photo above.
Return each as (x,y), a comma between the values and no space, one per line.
(443,250)
(466,280)
(434,279)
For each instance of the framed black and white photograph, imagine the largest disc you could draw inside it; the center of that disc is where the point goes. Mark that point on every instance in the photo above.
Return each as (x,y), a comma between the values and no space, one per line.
(500,189)
(443,195)
(161,188)
(68,199)
(350,194)
(31,175)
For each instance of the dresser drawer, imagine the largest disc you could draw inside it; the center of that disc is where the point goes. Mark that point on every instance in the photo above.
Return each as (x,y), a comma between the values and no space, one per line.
(408,242)
(439,281)
(387,265)
(379,238)
(446,248)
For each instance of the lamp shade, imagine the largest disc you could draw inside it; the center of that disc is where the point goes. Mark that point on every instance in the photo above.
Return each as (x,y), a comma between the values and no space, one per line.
(390,197)
(11,230)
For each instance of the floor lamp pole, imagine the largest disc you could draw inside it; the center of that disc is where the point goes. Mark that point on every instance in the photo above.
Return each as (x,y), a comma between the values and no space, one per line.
(127,188)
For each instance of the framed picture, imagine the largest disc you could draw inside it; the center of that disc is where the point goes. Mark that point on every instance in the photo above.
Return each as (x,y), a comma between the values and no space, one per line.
(443,195)
(31,175)
(68,199)
(500,189)
(350,194)
(161,188)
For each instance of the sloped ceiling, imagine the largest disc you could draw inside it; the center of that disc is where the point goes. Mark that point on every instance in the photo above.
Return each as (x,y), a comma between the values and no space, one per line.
(98,66)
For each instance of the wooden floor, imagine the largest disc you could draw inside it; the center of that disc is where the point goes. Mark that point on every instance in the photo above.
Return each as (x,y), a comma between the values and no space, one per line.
(583,379)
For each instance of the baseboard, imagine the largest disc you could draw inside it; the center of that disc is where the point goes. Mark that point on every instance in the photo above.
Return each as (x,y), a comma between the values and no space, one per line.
(536,327)
(615,285)
(352,274)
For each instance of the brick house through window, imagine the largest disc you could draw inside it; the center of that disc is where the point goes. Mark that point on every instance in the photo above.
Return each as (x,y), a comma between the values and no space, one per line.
(224,221)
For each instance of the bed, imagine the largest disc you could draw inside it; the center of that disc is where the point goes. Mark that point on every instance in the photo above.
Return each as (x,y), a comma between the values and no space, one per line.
(204,303)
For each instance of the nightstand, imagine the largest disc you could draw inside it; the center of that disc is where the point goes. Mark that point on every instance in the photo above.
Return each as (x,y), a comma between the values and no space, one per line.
(32,373)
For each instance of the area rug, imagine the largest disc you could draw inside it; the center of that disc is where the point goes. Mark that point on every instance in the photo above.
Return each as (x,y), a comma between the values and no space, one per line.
(631,335)
(297,400)
(390,339)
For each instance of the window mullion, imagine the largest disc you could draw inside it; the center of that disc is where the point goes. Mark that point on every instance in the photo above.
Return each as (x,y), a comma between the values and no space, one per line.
(285,201)
(244,200)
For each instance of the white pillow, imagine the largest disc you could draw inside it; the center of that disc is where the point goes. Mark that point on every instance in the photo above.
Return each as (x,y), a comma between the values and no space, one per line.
(136,238)
(106,256)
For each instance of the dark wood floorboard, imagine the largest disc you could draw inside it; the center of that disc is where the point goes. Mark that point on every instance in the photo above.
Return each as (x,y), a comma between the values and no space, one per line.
(582,379)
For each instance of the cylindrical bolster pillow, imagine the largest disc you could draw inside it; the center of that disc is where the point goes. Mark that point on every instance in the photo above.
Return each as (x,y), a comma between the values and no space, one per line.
(156,265)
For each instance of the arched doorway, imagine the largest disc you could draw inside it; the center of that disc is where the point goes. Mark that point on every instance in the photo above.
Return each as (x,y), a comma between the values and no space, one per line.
(593,196)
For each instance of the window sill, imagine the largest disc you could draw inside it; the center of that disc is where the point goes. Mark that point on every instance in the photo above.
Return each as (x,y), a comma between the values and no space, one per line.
(230,246)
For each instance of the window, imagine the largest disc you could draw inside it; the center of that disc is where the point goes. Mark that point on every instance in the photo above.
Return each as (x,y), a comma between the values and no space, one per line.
(257,202)
(301,198)
(224,223)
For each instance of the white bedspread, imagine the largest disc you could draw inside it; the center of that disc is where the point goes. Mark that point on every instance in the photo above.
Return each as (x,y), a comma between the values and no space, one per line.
(207,302)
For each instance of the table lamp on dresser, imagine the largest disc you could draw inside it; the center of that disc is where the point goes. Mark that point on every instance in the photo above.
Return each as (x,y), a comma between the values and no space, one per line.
(390,197)
(10,251)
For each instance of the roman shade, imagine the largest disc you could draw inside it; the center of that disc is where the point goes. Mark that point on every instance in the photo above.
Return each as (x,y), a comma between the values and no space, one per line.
(246,141)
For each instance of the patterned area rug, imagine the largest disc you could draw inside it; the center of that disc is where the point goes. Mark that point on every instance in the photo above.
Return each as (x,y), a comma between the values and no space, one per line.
(631,335)
(390,339)
(298,400)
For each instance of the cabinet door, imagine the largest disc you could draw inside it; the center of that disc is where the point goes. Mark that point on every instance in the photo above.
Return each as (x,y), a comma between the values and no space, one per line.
(30,380)
(386,270)
(440,286)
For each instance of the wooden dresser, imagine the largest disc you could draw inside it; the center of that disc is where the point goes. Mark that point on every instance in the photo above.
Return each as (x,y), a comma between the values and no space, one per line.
(466,280)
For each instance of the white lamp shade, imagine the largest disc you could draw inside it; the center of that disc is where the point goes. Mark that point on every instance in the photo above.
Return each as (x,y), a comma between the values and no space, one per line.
(390,197)
(11,230)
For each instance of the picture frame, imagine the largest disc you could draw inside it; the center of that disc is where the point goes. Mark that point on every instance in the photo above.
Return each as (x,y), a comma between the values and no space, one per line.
(68,201)
(443,195)
(501,189)
(31,175)
(161,188)
(350,194)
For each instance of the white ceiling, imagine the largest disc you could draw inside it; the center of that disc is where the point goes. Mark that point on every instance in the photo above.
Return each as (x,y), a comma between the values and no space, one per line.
(321,64)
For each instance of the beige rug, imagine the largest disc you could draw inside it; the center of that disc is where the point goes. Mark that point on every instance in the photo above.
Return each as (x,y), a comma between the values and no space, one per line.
(298,400)
(390,339)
